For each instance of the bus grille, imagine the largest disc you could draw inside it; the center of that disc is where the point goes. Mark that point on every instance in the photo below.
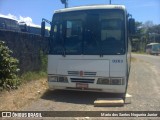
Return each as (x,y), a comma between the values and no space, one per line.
(73,73)
(89,73)
(80,80)
(77,73)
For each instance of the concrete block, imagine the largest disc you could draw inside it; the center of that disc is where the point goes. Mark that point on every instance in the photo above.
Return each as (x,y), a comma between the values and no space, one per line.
(128,98)
(108,102)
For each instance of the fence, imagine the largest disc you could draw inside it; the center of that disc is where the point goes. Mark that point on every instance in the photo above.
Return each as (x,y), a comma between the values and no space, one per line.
(26,48)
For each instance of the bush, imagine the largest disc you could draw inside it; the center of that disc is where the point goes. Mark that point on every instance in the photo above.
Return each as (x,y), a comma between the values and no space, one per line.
(29,76)
(8,68)
(43,59)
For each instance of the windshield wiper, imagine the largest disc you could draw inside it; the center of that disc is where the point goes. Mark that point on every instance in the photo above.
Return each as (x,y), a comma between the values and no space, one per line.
(98,44)
(100,48)
(63,47)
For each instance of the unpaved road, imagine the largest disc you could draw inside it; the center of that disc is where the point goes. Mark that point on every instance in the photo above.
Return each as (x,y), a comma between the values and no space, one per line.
(144,86)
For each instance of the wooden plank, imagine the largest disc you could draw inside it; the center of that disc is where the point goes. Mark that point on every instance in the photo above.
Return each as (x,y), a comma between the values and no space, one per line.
(108,102)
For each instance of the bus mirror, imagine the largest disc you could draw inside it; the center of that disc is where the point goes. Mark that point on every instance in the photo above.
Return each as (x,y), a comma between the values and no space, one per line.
(131,26)
(43,28)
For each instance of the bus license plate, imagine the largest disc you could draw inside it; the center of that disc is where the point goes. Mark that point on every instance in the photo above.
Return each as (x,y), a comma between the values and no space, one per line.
(81,85)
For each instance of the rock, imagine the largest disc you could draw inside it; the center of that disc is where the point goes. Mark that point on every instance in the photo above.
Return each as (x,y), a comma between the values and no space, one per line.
(38,92)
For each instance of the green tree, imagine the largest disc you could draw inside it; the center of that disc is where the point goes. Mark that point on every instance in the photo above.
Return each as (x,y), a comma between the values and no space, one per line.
(8,67)
(154,33)
(145,33)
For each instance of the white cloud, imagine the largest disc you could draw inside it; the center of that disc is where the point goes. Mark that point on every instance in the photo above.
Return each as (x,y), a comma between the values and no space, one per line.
(27,20)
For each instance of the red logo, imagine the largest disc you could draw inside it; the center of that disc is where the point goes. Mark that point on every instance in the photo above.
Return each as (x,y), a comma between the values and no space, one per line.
(81,73)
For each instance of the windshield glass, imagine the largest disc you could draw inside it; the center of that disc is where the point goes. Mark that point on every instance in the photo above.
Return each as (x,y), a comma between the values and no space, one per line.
(89,32)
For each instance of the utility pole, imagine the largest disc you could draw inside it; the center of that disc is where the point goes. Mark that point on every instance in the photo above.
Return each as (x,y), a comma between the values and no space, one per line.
(65,2)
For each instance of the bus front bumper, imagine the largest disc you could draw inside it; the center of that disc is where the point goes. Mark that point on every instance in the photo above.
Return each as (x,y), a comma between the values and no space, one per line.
(88,87)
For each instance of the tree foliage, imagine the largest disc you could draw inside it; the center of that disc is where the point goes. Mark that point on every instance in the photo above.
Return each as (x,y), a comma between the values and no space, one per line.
(8,67)
(145,33)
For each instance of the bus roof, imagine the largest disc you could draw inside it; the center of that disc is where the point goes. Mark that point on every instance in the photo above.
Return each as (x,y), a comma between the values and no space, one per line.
(6,17)
(153,44)
(90,7)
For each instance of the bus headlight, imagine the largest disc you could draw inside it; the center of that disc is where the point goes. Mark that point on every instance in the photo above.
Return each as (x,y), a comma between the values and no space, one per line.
(62,79)
(117,81)
(57,79)
(53,78)
(111,81)
(105,81)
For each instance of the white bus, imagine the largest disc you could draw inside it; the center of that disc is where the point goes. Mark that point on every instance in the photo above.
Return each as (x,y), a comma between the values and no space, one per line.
(90,49)
(153,48)
(33,29)
(7,23)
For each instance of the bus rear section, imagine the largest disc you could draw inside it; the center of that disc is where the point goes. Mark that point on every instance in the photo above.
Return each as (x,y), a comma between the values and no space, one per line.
(89,49)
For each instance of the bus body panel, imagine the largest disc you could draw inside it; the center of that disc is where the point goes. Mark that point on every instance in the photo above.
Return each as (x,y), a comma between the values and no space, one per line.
(114,64)
(99,66)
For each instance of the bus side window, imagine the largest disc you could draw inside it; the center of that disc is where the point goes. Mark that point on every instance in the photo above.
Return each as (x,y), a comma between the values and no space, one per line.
(55,29)
(2,25)
(111,28)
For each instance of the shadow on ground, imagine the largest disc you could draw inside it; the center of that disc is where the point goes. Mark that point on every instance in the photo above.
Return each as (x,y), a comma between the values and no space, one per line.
(76,97)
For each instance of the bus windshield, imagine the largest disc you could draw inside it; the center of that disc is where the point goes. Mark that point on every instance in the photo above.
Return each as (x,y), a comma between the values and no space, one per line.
(88,32)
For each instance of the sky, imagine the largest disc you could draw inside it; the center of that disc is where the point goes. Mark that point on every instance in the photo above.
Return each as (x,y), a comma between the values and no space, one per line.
(32,11)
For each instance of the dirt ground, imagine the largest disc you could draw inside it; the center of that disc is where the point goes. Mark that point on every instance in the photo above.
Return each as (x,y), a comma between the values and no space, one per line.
(25,94)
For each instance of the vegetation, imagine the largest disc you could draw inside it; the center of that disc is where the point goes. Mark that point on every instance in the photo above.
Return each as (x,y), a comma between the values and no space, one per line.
(26,77)
(145,33)
(43,59)
(8,68)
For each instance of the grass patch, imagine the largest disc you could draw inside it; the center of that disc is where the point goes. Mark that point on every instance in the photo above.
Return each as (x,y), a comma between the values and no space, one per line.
(29,76)
(133,59)
(26,78)
(140,52)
